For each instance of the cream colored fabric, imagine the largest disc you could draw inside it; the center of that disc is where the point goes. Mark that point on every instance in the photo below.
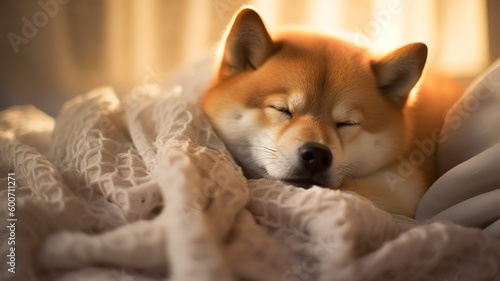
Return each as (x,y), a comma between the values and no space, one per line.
(468,190)
(140,188)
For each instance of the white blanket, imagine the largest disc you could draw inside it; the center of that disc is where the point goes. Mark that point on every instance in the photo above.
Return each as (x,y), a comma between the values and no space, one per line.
(138,187)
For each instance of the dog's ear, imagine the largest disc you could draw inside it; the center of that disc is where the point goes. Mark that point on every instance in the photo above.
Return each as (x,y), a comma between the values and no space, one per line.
(248,44)
(398,72)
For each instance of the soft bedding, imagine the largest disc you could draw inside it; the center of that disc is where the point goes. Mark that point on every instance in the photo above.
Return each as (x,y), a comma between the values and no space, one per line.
(468,189)
(138,187)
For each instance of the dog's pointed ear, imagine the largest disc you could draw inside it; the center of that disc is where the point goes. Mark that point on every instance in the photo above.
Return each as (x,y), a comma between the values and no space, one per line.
(248,44)
(398,72)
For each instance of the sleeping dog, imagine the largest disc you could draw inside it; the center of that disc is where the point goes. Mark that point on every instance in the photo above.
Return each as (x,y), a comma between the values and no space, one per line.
(312,110)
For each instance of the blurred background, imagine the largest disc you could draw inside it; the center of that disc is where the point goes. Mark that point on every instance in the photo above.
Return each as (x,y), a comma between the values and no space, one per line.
(52,50)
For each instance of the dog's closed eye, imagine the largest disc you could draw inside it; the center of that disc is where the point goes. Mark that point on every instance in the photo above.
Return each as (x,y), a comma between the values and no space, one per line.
(348,123)
(281,109)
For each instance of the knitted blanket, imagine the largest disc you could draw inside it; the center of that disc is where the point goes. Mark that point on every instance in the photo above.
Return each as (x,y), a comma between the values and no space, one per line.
(138,187)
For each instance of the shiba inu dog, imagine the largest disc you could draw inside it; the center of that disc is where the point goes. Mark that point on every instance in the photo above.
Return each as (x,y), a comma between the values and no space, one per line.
(312,110)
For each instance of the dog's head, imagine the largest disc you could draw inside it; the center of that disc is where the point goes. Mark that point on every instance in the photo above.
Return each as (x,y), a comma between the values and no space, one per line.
(307,108)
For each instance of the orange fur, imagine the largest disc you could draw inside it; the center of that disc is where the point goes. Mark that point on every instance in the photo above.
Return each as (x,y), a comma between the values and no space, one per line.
(310,109)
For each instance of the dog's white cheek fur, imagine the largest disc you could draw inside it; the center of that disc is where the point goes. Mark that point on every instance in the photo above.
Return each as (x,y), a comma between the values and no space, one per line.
(369,152)
(285,159)
(278,159)
(238,133)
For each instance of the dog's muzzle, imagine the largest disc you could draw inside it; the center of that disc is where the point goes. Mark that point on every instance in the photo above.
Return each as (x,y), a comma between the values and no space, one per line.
(314,159)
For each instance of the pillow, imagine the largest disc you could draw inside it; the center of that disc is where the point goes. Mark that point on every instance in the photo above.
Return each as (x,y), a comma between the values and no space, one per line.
(467,191)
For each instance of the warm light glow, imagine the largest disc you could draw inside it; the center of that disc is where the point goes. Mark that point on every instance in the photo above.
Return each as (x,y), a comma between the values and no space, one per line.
(269,11)
(454,31)
(412,97)
(326,16)
(464,38)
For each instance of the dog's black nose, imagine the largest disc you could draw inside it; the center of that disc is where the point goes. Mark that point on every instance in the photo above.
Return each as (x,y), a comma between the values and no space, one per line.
(315,157)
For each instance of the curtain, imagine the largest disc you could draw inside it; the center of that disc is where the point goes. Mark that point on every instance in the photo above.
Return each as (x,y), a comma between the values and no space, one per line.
(55,49)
